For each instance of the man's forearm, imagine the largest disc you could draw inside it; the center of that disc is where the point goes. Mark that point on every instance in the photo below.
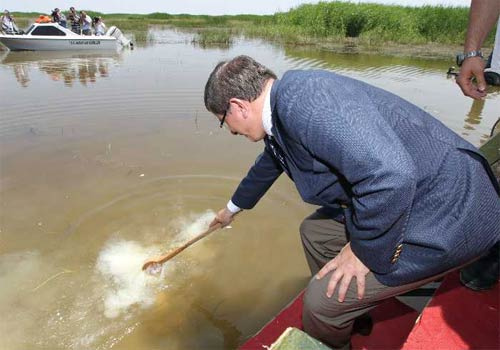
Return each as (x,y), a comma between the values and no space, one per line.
(482,17)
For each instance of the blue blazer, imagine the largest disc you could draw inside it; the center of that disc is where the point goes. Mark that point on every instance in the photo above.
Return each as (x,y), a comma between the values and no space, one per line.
(415,197)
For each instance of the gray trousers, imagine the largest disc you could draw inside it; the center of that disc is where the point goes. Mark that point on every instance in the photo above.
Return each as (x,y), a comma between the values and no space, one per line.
(326,319)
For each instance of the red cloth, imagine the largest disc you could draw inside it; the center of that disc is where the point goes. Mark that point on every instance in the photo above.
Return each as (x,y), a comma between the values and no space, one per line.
(393,321)
(457,318)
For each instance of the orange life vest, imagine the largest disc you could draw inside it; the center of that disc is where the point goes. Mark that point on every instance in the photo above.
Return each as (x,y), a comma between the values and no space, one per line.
(43,19)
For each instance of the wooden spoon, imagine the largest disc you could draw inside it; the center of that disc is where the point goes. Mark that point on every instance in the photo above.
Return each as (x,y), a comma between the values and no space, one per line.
(162,259)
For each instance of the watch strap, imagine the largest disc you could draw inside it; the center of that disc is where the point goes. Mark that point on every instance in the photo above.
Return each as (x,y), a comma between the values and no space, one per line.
(469,54)
(473,53)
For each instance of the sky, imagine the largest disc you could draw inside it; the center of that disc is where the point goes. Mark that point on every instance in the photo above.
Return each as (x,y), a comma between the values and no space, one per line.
(195,7)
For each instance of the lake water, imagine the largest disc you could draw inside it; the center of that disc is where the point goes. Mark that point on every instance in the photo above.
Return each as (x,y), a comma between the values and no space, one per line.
(108,159)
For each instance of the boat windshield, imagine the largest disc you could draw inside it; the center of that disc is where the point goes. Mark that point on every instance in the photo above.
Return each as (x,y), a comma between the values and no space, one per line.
(30,29)
(47,30)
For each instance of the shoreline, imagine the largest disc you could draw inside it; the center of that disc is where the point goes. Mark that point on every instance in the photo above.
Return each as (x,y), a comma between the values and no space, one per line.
(423,51)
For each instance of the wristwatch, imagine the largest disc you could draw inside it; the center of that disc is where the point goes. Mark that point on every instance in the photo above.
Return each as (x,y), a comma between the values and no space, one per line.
(462,56)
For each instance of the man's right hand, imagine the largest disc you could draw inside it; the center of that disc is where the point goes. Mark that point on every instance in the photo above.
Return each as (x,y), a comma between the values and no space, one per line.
(472,67)
(224,217)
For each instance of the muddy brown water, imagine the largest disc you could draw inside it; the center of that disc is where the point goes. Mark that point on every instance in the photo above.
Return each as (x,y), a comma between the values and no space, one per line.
(106,159)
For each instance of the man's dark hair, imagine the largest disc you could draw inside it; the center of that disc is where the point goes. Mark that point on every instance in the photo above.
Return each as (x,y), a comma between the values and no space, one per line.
(242,77)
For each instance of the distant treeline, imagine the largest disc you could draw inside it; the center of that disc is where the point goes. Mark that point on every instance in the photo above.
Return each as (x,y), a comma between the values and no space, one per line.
(329,21)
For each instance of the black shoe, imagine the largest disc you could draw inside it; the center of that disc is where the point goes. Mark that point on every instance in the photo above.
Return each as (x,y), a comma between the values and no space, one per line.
(484,273)
(363,325)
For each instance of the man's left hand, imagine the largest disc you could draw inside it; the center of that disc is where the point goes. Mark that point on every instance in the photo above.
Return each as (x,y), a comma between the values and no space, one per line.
(345,265)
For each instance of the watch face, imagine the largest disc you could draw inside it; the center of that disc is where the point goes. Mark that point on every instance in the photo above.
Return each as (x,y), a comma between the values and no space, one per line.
(460,59)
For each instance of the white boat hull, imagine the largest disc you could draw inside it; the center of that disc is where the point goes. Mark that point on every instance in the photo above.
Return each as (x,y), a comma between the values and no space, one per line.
(53,37)
(26,43)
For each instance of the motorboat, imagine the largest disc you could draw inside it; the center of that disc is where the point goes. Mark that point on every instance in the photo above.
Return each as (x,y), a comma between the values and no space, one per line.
(54,37)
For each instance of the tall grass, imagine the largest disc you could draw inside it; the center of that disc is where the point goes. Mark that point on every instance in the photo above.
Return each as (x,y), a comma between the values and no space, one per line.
(213,38)
(379,23)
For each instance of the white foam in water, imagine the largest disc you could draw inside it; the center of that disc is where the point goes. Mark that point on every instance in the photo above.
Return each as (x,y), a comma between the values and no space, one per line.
(120,264)
(193,226)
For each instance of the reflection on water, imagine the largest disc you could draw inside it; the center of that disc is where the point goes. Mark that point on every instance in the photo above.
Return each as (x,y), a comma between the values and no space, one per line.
(160,35)
(209,45)
(95,177)
(474,115)
(373,66)
(473,118)
(66,67)
(231,335)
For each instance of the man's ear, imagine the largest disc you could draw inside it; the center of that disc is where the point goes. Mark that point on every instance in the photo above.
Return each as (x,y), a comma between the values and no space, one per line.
(240,105)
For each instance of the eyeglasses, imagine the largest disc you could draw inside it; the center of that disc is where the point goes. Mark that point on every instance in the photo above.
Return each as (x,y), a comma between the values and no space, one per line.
(223,119)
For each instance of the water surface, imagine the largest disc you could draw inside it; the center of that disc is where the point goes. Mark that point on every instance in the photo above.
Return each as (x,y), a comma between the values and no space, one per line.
(106,159)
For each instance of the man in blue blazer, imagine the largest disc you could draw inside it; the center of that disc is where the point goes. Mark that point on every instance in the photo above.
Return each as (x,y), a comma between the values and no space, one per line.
(403,199)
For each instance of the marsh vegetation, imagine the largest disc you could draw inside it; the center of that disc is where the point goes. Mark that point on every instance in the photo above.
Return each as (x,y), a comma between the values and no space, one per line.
(430,30)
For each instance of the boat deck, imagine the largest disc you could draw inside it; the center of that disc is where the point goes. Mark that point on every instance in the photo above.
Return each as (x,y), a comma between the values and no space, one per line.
(455,318)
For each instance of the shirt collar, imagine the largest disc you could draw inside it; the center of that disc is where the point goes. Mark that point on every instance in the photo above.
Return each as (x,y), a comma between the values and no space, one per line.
(267,113)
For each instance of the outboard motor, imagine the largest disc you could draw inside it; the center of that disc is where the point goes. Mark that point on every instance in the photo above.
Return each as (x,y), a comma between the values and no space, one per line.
(117,33)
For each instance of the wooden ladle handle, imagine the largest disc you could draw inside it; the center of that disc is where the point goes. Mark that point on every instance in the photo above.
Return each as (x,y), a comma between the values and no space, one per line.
(162,259)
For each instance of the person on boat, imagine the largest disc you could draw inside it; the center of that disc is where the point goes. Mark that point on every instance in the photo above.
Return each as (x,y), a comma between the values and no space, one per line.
(75,20)
(484,273)
(8,23)
(403,199)
(59,17)
(99,26)
(85,23)
(482,18)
